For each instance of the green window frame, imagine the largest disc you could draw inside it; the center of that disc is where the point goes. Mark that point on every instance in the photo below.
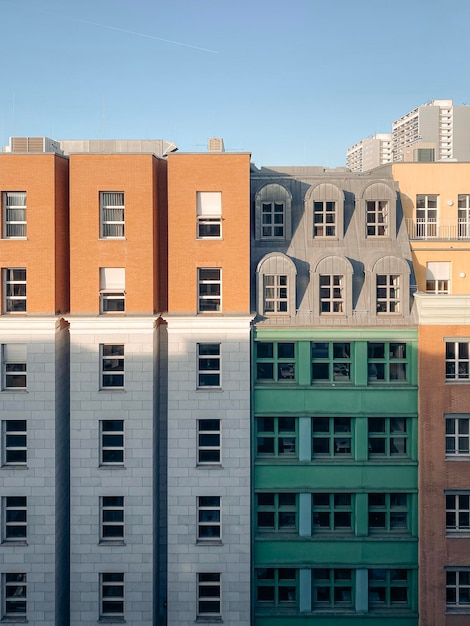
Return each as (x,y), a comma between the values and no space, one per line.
(331,361)
(333,588)
(387,362)
(458,512)
(389,588)
(276,586)
(275,361)
(388,436)
(458,588)
(332,512)
(276,512)
(332,437)
(389,512)
(276,436)
(457,434)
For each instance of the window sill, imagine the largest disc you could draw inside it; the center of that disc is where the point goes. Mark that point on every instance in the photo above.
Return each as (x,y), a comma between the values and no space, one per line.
(209,466)
(458,534)
(15,466)
(14,543)
(463,381)
(209,542)
(112,389)
(209,389)
(209,620)
(110,466)
(111,620)
(111,542)
(15,390)
(14,620)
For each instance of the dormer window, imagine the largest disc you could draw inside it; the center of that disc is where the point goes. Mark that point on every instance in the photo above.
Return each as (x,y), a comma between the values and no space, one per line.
(378,203)
(276,276)
(273,213)
(332,285)
(390,286)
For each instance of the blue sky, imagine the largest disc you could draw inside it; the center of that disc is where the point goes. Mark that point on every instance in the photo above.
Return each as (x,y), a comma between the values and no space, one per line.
(293,82)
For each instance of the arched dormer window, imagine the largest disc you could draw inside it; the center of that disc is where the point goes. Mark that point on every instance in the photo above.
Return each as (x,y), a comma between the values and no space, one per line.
(332,284)
(389,287)
(275,278)
(273,213)
(324,205)
(378,202)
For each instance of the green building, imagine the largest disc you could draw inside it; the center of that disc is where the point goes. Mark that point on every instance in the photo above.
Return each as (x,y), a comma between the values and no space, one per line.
(335,498)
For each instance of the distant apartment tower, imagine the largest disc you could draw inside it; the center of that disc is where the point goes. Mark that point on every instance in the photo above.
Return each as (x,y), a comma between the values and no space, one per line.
(435,131)
(370,152)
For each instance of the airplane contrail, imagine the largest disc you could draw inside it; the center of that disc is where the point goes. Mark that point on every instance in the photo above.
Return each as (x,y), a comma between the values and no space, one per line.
(132,32)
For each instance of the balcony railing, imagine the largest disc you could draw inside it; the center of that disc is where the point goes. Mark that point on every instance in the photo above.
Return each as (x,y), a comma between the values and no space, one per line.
(421,228)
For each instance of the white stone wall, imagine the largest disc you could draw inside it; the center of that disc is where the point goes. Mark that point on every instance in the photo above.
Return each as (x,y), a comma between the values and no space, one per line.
(135,405)
(230,481)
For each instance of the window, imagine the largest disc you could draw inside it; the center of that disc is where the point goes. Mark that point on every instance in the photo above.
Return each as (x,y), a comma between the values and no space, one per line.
(14,290)
(426,216)
(208,595)
(210,290)
(15,596)
(112,595)
(324,219)
(112,518)
(458,588)
(276,294)
(15,516)
(457,435)
(209,214)
(208,365)
(14,442)
(388,512)
(112,371)
(458,512)
(457,360)
(276,586)
(276,512)
(332,436)
(332,588)
(332,511)
(112,289)
(208,518)
(14,215)
(272,220)
(331,294)
(464,216)
(387,362)
(438,277)
(388,588)
(112,215)
(275,361)
(208,442)
(388,293)
(377,218)
(112,442)
(276,436)
(388,436)
(423,155)
(14,366)
(331,361)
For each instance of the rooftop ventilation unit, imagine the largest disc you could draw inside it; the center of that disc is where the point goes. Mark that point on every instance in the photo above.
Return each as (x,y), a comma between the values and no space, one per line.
(215,144)
(33,144)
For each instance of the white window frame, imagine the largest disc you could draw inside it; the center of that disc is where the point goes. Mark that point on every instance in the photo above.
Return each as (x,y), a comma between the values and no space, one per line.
(457,587)
(209,296)
(15,519)
(271,226)
(105,446)
(106,581)
(427,215)
(460,435)
(12,432)
(14,290)
(202,448)
(329,294)
(209,369)
(111,507)
(463,216)
(388,294)
(112,365)
(14,366)
(112,215)
(377,217)
(209,214)
(206,581)
(18,583)
(459,509)
(438,277)
(458,365)
(112,290)
(209,519)
(14,215)
(275,294)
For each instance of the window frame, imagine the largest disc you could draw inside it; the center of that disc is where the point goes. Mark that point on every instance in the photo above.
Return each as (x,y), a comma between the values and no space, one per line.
(205,582)
(14,291)
(110,580)
(110,372)
(459,363)
(332,294)
(334,362)
(277,507)
(458,435)
(283,367)
(463,215)
(332,510)
(272,194)
(388,294)
(203,449)
(209,370)
(14,367)
(332,584)
(459,510)
(208,220)
(339,437)
(14,447)
(15,598)
(281,439)
(115,223)
(279,298)
(15,520)
(457,573)
(112,293)
(105,445)
(388,363)
(388,584)
(387,435)
(271,211)
(438,277)
(281,586)
(111,507)
(209,519)
(209,301)
(386,511)
(377,219)
(323,211)
(427,214)
(8,221)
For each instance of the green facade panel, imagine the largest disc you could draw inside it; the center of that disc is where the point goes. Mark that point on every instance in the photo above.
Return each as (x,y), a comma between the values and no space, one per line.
(337,620)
